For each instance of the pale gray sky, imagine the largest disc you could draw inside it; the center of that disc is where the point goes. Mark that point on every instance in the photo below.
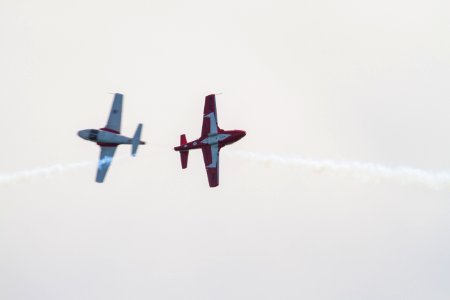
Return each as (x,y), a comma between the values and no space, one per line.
(345,80)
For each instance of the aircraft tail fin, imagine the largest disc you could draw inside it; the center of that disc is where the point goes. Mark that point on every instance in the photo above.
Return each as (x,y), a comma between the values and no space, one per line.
(136,141)
(184,154)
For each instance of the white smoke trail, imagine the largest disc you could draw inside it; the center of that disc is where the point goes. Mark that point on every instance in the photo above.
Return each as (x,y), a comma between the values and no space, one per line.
(364,171)
(58,169)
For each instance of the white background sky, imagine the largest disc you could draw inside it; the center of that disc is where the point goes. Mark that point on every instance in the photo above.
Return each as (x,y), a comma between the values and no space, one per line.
(351,80)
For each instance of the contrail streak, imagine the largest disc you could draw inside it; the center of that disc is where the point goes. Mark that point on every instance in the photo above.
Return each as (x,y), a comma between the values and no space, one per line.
(58,169)
(364,171)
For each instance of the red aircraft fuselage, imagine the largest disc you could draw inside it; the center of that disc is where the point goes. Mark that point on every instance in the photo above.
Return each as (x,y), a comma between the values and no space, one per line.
(222,138)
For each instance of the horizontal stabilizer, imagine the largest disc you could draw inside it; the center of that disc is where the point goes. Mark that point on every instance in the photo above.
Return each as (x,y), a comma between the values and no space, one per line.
(183,140)
(184,159)
(136,140)
(184,154)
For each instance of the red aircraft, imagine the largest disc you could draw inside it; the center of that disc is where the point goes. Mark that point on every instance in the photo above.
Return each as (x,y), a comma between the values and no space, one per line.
(211,141)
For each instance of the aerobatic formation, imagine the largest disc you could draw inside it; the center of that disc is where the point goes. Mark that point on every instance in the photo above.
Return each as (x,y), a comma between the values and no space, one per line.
(212,139)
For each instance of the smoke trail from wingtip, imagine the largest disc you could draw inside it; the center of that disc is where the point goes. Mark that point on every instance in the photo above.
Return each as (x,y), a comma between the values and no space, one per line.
(364,171)
(9,178)
(58,169)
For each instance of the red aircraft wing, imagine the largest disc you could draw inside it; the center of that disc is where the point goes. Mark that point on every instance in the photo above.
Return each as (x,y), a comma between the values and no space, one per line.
(209,116)
(211,159)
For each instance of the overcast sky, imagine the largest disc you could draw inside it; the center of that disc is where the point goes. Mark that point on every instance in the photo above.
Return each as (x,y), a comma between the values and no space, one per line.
(343,80)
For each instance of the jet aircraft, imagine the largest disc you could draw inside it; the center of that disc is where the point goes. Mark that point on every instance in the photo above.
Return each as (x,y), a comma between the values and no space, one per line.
(212,139)
(109,137)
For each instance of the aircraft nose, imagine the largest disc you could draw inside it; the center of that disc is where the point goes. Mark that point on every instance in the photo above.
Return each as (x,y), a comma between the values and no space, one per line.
(243,133)
(83,134)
